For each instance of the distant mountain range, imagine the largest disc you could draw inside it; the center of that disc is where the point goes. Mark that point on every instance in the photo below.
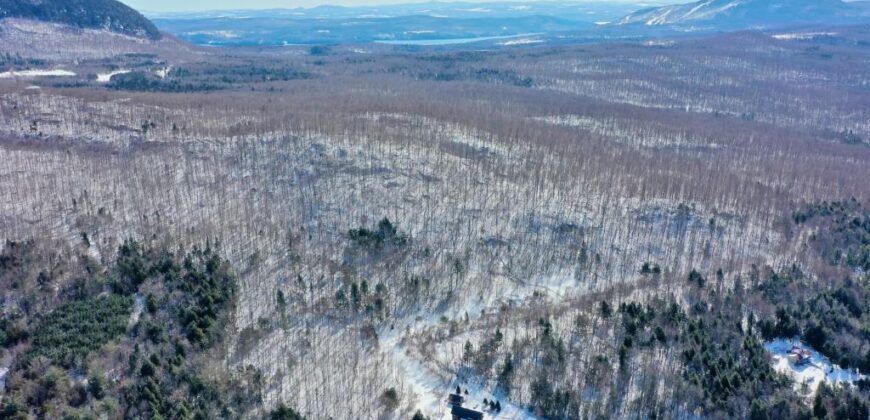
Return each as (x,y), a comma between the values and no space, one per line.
(569,10)
(417,22)
(110,15)
(742,14)
(434,23)
(445,22)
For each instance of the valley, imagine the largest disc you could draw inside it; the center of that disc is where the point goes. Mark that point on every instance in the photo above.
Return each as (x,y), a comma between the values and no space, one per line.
(634,227)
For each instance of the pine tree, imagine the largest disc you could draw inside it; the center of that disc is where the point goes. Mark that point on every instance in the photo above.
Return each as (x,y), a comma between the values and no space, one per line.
(467,355)
(819,409)
(605,309)
(282,303)
(697,278)
(506,374)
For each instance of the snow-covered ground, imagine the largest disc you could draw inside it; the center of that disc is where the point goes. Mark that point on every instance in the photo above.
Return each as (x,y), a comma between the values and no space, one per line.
(163,72)
(107,77)
(36,73)
(474,401)
(428,387)
(820,368)
(138,306)
(432,388)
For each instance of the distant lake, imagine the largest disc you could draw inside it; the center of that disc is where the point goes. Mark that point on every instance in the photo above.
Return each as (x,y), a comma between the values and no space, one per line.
(451,41)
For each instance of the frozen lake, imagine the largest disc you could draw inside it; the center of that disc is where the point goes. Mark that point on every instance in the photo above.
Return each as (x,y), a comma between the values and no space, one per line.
(452,41)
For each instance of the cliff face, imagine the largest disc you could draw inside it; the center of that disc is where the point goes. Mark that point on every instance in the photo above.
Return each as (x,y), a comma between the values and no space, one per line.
(101,14)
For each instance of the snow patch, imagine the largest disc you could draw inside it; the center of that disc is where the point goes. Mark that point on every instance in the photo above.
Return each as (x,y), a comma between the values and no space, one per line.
(431,389)
(107,77)
(138,307)
(4,370)
(660,43)
(36,73)
(522,41)
(163,72)
(807,377)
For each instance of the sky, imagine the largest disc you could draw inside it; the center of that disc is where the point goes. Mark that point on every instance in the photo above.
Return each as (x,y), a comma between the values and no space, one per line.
(191,5)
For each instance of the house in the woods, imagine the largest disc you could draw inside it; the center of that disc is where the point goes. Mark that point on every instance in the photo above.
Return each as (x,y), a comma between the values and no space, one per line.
(799,356)
(457,411)
(460,413)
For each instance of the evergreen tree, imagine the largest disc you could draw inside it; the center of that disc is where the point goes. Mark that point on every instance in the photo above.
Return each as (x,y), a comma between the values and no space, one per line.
(819,409)
(506,374)
(467,355)
(282,303)
(283,412)
(605,309)
(697,278)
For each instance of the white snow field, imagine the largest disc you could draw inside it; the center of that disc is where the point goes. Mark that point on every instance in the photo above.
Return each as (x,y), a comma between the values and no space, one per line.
(36,73)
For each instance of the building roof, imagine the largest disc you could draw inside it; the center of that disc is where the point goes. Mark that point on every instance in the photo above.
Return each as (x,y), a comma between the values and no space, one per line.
(465,413)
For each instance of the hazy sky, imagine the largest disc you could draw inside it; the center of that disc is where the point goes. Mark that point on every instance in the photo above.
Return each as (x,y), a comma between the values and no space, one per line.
(188,5)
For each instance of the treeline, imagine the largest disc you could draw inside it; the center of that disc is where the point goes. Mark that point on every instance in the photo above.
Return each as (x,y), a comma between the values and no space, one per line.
(485,75)
(7,59)
(140,351)
(144,82)
(844,232)
(206,78)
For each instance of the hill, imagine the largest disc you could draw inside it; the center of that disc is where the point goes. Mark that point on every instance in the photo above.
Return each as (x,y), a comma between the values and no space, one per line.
(101,14)
(738,14)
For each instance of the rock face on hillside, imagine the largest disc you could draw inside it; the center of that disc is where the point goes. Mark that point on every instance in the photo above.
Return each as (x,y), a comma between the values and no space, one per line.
(735,14)
(110,15)
(51,42)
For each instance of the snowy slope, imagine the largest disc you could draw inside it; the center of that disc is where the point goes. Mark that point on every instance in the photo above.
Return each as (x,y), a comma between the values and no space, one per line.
(730,14)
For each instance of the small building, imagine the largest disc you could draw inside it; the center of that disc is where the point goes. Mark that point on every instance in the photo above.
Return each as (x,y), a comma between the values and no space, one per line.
(799,356)
(455,399)
(461,413)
